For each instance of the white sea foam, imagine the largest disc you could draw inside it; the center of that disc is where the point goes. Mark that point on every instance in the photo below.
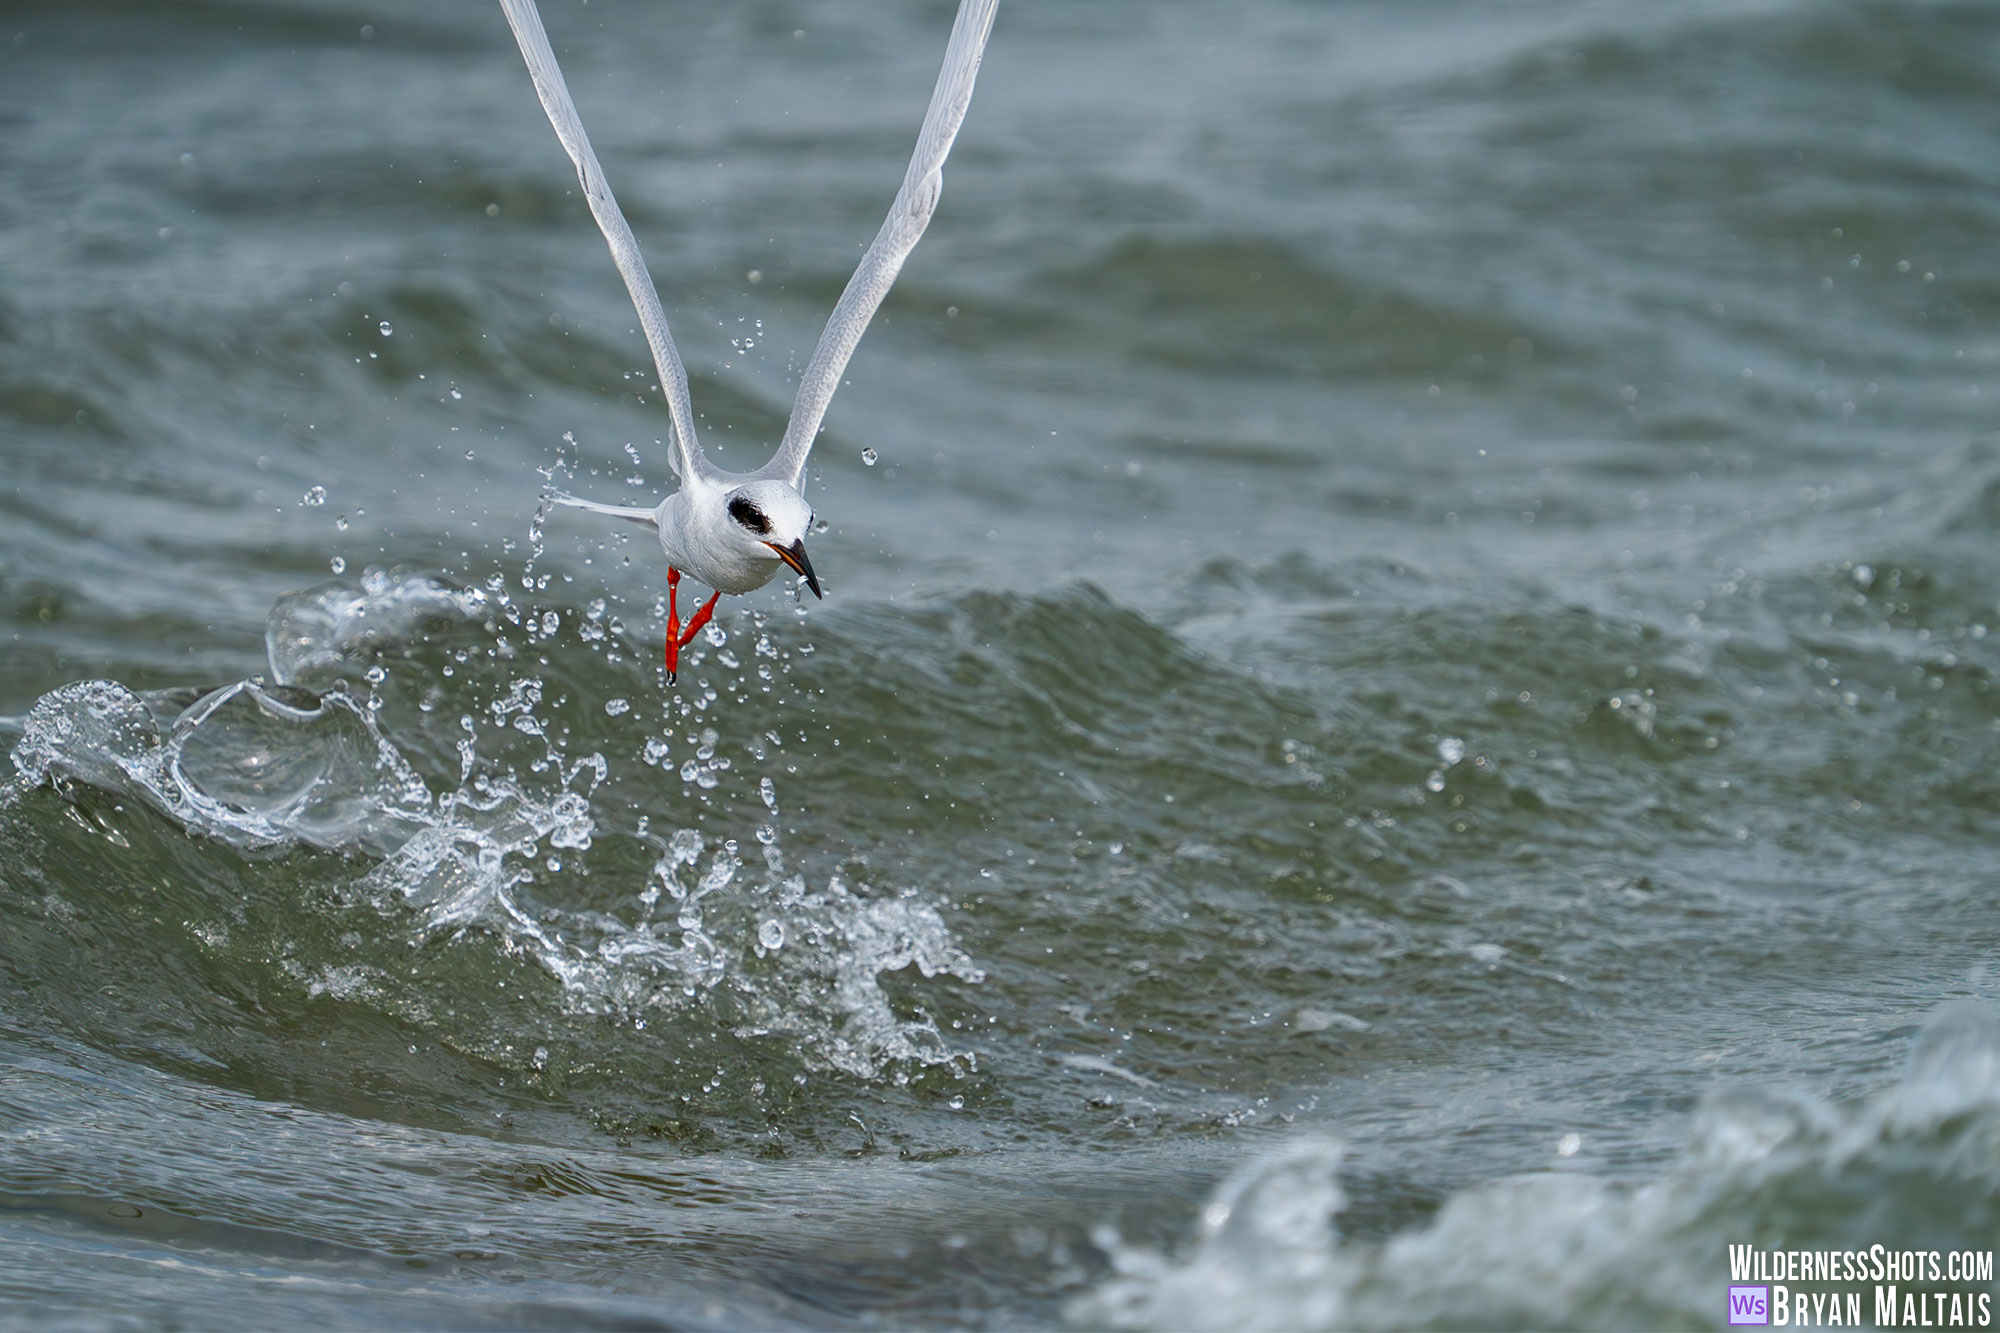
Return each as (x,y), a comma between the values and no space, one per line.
(1567,1250)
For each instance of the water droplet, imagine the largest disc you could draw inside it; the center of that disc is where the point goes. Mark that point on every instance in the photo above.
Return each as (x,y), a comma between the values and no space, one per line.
(684,846)
(616,707)
(386,327)
(868,457)
(315,496)
(771,935)
(1435,782)
(456,396)
(375,675)
(337,565)
(1451,749)
(541,1057)
(595,610)
(769,791)
(340,523)
(551,622)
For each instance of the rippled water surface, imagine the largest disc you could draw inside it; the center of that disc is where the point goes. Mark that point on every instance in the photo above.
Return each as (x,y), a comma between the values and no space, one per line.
(1402,733)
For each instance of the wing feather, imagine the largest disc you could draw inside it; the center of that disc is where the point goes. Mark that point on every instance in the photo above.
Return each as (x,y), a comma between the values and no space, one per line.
(911,212)
(554,92)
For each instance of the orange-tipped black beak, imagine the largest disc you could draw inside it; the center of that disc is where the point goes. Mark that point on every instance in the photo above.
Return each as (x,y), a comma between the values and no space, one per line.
(795,556)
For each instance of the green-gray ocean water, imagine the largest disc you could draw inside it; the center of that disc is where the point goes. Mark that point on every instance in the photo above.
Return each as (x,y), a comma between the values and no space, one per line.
(1402,733)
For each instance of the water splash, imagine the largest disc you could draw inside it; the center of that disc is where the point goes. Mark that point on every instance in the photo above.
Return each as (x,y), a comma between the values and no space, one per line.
(772,959)
(746,948)
(538,524)
(314,635)
(248,765)
(462,866)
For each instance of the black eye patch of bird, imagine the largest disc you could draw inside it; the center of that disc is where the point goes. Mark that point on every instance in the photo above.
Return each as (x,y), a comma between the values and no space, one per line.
(749,515)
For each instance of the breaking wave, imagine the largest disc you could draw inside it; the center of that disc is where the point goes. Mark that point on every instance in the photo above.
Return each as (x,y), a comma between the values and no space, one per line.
(1917,1166)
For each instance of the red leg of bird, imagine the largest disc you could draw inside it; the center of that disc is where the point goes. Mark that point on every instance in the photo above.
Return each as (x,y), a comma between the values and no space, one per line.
(673,622)
(677,636)
(699,618)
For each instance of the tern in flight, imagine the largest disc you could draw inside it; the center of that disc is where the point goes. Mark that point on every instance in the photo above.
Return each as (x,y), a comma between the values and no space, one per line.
(731,530)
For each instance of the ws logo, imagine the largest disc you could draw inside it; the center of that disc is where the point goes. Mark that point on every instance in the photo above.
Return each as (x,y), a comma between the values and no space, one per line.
(1750,1305)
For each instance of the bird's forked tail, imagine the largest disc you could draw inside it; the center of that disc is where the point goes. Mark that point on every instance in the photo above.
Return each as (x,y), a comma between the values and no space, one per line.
(630,513)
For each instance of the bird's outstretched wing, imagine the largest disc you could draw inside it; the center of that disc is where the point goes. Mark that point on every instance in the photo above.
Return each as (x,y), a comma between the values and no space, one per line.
(908,217)
(527,25)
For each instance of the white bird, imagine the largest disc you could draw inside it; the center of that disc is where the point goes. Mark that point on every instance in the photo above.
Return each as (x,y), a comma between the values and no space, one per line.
(730,530)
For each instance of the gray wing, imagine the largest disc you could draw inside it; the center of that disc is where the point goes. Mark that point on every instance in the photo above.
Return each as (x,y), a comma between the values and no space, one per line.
(908,216)
(527,25)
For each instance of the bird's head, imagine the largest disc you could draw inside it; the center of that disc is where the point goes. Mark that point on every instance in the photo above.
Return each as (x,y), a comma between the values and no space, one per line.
(770,519)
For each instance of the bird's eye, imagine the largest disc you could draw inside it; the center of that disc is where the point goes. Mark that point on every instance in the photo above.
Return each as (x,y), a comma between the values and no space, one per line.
(749,515)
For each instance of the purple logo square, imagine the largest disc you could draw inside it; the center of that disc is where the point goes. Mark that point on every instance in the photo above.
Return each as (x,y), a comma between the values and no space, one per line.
(1750,1305)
